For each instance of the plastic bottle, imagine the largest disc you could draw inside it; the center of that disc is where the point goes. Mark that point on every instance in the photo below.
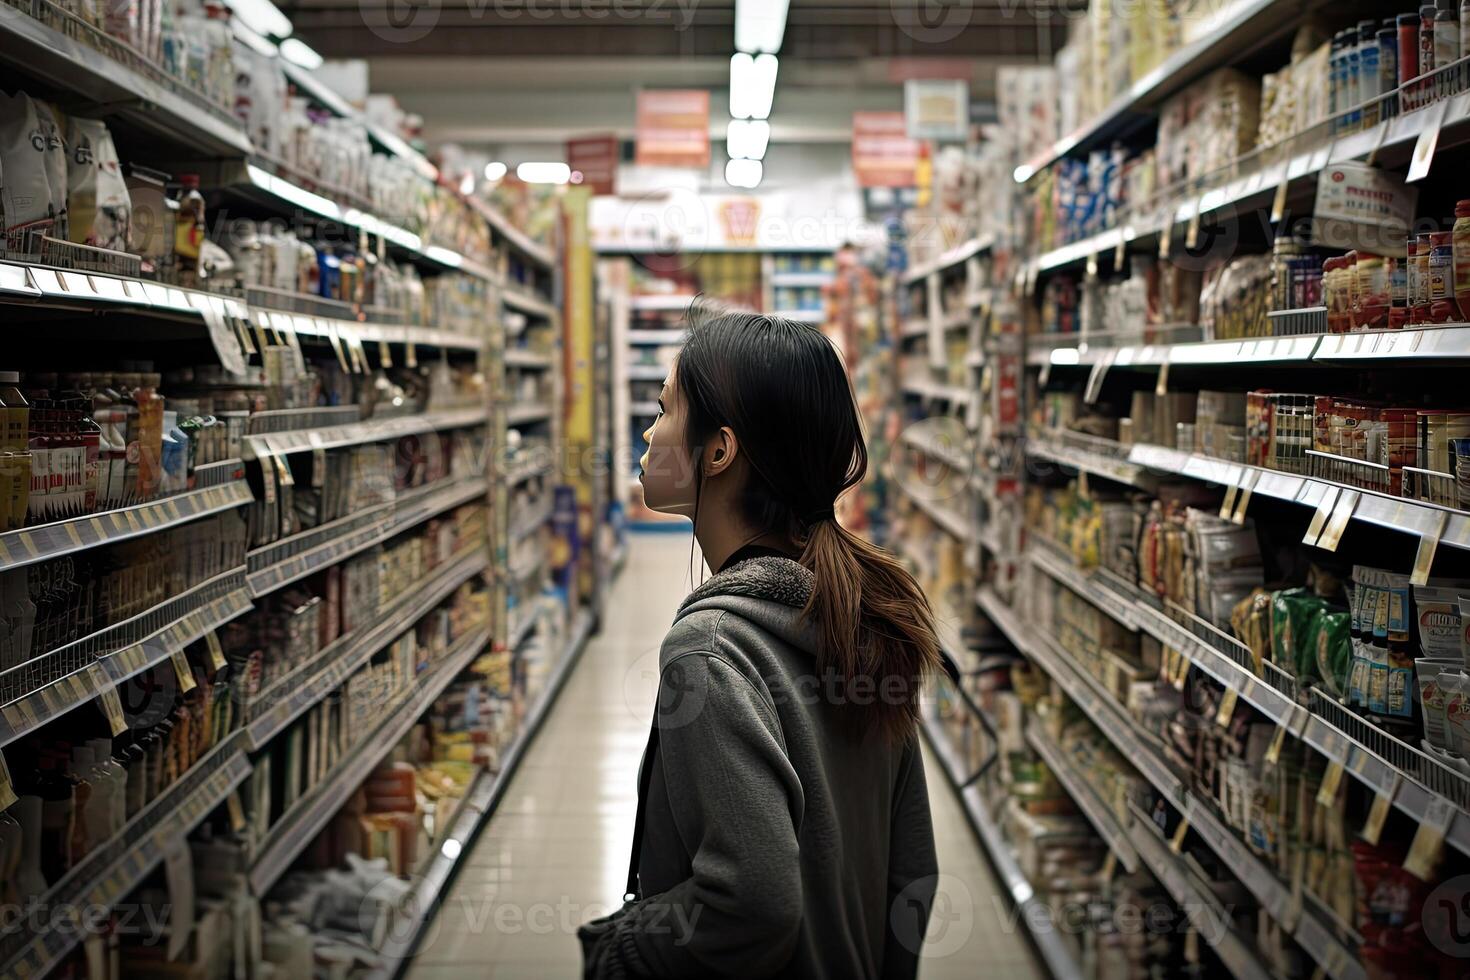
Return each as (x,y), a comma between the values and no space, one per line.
(1388,66)
(1442,307)
(1368,72)
(116,783)
(1353,76)
(16,443)
(1446,44)
(1337,81)
(189,228)
(1419,304)
(1427,63)
(1398,279)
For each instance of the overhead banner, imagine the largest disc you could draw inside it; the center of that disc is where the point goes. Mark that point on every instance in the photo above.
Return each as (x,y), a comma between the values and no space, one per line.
(937,109)
(883,155)
(596,159)
(673,128)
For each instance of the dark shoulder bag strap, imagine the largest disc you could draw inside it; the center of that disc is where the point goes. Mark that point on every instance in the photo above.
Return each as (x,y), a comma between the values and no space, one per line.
(645,777)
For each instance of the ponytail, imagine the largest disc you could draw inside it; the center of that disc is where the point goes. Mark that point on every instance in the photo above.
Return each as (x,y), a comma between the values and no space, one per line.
(875,628)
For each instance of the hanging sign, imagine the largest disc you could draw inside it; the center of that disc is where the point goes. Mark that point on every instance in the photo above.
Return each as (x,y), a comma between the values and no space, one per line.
(673,128)
(883,155)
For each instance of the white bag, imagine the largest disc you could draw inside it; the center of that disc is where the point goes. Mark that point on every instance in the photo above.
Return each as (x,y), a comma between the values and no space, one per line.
(101,209)
(56,164)
(25,195)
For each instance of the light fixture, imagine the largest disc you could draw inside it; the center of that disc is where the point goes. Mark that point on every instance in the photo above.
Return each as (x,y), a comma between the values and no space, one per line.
(295,51)
(494,170)
(760,25)
(544,173)
(747,138)
(251,39)
(261,16)
(743,173)
(752,85)
(467,185)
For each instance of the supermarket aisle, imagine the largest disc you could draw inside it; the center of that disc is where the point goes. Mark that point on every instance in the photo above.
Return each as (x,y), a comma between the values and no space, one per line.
(556,851)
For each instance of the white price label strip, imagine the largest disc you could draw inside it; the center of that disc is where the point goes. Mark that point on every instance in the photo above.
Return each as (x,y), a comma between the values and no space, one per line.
(217,660)
(1161,386)
(182,671)
(1428,545)
(1428,845)
(1428,141)
(1347,502)
(1378,813)
(1319,519)
(1243,502)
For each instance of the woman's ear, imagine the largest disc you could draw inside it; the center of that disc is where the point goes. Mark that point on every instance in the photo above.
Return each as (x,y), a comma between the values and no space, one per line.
(720,452)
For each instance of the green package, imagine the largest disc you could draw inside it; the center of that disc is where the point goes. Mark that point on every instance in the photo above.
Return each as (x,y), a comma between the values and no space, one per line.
(1334,650)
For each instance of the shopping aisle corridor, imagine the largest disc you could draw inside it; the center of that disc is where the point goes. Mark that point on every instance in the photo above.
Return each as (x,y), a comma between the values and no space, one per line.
(556,850)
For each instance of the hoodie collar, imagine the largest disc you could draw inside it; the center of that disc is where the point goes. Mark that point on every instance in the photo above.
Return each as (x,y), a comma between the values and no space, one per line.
(776,579)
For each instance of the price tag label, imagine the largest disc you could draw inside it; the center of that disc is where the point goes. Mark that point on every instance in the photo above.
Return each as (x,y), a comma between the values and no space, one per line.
(1428,141)
(1319,519)
(336,342)
(385,354)
(1110,866)
(1161,386)
(236,811)
(1045,377)
(1428,545)
(1191,234)
(1243,502)
(1331,782)
(112,709)
(217,660)
(283,469)
(1098,375)
(1227,506)
(1378,812)
(1347,502)
(1181,671)
(410,354)
(182,671)
(1120,251)
(1176,843)
(1166,240)
(1273,751)
(7,792)
(1091,265)
(1428,845)
(1083,490)
(1278,203)
(1227,707)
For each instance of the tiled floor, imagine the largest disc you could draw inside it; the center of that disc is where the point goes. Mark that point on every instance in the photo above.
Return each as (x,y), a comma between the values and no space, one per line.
(556,850)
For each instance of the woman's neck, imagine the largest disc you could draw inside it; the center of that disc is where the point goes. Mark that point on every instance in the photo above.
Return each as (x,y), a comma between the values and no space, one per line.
(718,540)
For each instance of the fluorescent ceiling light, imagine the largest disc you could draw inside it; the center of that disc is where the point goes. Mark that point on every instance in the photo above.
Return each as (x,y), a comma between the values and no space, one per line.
(544,173)
(251,39)
(747,138)
(752,85)
(494,170)
(743,173)
(760,25)
(262,17)
(295,51)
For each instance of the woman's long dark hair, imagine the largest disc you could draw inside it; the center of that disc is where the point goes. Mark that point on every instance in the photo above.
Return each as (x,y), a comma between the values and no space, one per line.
(782,388)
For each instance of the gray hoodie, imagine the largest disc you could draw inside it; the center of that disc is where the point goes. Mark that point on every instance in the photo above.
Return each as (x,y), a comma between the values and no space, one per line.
(777,843)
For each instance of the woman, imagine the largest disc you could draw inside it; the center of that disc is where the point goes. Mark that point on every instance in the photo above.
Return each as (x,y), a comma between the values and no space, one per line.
(783,826)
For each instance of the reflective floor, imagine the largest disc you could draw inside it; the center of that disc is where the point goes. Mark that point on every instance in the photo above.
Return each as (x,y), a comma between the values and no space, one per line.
(556,850)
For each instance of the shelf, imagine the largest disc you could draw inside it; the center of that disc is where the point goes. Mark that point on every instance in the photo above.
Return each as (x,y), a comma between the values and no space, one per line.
(63,679)
(950,257)
(114,868)
(955,457)
(643,409)
(521,630)
(528,303)
(1120,729)
(1050,941)
(660,304)
(275,707)
(1235,29)
(1109,826)
(802,316)
(291,559)
(950,521)
(360,433)
(157,105)
(527,471)
(914,327)
(521,358)
(1259,184)
(300,824)
(1201,906)
(535,522)
(46,541)
(479,803)
(801,280)
(656,337)
(647,372)
(936,391)
(1111,467)
(527,414)
(538,253)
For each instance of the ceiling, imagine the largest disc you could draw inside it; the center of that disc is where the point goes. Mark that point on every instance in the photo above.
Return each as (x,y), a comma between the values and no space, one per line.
(492,72)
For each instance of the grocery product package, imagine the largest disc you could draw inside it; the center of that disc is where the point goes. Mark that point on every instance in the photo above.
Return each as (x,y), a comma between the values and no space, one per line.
(51,122)
(26,196)
(101,210)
